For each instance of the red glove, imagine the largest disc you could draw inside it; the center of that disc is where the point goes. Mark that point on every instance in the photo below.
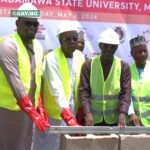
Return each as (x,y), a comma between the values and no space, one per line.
(26,105)
(68,117)
(42,112)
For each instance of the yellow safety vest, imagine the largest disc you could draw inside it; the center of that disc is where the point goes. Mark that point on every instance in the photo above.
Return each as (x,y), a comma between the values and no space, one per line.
(1,39)
(49,101)
(140,92)
(7,99)
(105,94)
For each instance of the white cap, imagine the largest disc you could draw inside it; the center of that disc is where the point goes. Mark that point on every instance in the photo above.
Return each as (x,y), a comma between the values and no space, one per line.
(65,27)
(28,7)
(139,40)
(109,36)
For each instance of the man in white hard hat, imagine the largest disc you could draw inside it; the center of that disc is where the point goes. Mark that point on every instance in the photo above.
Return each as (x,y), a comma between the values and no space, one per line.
(61,73)
(20,76)
(104,88)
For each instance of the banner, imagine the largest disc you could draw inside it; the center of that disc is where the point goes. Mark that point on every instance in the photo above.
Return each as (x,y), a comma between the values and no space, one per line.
(128,18)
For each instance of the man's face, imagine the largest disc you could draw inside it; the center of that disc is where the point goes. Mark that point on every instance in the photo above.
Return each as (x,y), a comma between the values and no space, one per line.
(27,27)
(68,41)
(140,54)
(107,50)
(80,44)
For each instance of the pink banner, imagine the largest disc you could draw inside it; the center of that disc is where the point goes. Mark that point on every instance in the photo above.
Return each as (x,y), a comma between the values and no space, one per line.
(121,11)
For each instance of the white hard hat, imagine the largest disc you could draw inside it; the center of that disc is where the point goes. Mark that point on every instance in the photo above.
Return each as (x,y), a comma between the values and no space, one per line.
(28,7)
(109,36)
(66,26)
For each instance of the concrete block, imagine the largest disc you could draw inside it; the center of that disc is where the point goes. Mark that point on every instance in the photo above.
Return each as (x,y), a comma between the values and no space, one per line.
(89,142)
(135,142)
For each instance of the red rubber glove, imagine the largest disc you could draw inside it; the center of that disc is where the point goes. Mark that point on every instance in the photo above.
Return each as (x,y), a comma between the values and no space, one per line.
(68,117)
(26,105)
(42,112)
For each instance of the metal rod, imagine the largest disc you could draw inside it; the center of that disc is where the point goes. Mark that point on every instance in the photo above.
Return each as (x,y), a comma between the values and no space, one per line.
(104,130)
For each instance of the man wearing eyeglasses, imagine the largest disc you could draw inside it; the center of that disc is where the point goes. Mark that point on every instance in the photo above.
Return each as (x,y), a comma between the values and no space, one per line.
(61,75)
(20,78)
(104,89)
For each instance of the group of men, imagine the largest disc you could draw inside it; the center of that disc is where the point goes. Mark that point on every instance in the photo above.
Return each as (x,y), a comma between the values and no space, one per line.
(51,89)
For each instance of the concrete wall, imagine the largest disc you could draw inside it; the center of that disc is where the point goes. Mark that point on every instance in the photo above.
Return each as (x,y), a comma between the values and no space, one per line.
(105,142)
(89,142)
(135,142)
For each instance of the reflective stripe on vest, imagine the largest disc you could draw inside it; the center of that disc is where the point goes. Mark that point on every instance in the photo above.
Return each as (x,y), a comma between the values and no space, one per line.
(141,99)
(141,93)
(49,101)
(105,94)
(8,100)
(108,97)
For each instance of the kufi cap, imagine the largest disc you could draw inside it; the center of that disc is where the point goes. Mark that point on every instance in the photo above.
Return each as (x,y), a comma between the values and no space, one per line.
(65,27)
(29,8)
(109,36)
(139,40)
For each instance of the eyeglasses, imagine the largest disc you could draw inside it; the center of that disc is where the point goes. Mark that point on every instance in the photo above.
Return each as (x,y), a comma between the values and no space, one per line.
(69,39)
(112,46)
(29,24)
